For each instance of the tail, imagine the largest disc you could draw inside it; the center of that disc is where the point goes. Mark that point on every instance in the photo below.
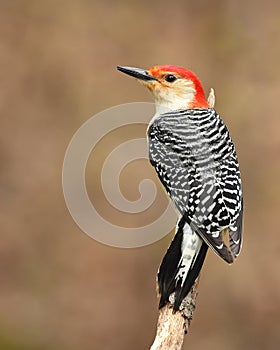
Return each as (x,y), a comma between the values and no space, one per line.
(181,265)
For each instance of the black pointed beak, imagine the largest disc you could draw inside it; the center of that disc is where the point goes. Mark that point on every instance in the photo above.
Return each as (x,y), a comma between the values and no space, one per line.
(137,73)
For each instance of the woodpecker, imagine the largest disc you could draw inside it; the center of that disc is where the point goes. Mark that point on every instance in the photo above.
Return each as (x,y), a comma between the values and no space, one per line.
(195,159)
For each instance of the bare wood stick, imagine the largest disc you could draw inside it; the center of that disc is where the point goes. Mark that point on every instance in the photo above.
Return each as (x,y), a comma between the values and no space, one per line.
(172,327)
(211,98)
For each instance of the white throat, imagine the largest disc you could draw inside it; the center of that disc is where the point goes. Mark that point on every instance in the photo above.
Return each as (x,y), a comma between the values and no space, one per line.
(174,99)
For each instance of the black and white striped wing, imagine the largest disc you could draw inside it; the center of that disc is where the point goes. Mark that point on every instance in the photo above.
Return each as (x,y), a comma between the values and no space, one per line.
(195,160)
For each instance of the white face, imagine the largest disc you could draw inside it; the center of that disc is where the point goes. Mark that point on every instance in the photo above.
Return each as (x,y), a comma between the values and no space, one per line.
(178,96)
(172,96)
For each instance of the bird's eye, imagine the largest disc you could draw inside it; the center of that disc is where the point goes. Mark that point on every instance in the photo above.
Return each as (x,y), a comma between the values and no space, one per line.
(170,78)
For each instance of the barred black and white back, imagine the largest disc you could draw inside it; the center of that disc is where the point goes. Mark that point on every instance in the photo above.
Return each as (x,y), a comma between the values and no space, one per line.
(195,159)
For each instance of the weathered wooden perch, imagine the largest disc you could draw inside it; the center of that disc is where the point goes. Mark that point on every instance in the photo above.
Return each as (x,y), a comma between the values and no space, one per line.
(172,327)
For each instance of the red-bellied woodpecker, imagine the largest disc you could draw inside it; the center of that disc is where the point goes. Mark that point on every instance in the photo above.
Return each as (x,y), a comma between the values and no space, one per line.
(194,156)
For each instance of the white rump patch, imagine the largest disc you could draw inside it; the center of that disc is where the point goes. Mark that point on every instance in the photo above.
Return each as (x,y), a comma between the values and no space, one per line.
(191,245)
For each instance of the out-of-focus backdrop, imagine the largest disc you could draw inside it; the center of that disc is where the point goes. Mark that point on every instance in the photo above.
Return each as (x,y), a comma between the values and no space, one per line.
(61,289)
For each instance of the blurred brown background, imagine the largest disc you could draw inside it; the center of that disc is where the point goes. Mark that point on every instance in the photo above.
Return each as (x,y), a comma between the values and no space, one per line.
(61,289)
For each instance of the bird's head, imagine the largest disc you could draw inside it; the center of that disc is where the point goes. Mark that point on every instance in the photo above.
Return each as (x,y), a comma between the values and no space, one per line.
(173,87)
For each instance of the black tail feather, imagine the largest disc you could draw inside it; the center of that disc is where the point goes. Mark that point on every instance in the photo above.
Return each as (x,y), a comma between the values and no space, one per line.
(170,267)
